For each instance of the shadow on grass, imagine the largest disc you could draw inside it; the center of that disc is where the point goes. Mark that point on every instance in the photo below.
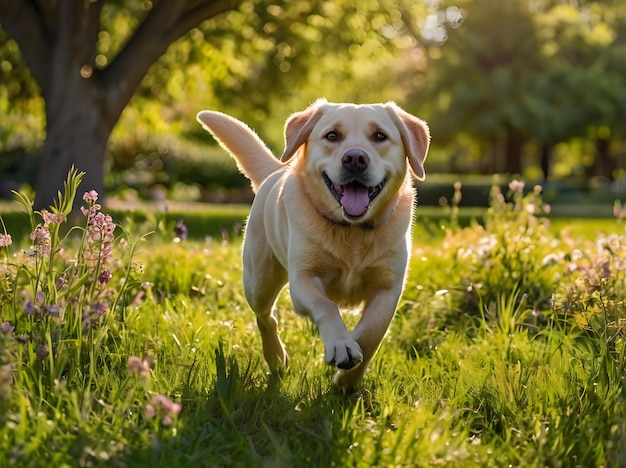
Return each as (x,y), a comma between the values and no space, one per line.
(249,419)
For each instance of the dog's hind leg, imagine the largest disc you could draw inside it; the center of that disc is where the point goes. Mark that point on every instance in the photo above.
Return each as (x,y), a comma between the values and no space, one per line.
(263,279)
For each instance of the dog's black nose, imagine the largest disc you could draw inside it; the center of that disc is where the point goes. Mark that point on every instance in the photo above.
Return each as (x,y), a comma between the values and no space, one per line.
(355,160)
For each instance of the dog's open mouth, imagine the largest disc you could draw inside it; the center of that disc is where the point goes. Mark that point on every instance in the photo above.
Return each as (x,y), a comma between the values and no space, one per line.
(354,197)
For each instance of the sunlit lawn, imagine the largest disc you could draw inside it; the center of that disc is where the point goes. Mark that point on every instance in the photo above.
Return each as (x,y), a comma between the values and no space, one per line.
(507,349)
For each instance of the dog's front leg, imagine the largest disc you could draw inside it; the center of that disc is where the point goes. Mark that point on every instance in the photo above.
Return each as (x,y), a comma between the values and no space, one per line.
(309,298)
(369,332)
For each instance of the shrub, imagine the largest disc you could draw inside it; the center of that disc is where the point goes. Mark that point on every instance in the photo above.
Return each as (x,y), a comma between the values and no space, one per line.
(514,262)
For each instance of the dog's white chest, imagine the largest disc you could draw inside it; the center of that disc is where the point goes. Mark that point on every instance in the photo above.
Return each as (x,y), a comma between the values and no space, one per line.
(348,287)
(351,283)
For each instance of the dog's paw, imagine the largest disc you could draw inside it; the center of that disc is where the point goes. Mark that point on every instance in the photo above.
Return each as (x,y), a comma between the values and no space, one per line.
(347,382)
(344,354)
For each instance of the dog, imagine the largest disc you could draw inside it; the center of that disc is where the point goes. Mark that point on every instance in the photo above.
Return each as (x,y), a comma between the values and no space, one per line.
(332,218)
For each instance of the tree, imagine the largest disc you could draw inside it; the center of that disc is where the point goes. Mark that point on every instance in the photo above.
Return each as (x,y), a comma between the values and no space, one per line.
(478,71)
(90,57)
(528,71)
(85,91)
(581,91)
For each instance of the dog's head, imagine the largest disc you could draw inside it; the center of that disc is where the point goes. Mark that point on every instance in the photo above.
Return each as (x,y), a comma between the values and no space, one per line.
(355,156)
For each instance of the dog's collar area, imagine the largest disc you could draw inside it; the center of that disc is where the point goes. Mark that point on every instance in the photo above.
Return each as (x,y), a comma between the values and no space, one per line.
(345,224)
(354,197)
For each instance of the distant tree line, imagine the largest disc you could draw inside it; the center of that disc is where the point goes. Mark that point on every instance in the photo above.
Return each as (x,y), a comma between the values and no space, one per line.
(504,84)
(509,74)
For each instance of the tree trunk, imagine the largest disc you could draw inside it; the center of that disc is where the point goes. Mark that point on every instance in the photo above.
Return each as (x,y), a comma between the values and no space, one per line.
(546,152)
(76,138)
(514,143)
(604,165)
(78,126)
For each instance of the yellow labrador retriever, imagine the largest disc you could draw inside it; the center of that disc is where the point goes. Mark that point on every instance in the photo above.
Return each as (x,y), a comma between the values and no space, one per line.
(332,218)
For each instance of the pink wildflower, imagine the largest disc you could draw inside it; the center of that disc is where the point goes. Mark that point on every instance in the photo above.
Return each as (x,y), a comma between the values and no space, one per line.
(91,196)
(516,186)
(6,327)
(41,239)
(138,367)
(150,411)
(164,407)
(5,240)
(167,405)
(619,210)
(603,269)
(100,229)
(51,218)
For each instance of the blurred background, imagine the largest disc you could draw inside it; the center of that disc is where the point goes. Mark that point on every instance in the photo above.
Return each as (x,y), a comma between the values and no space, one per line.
(511,88)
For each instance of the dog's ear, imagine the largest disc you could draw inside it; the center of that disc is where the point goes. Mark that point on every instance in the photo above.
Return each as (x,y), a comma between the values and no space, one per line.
(415,137)
(299,127)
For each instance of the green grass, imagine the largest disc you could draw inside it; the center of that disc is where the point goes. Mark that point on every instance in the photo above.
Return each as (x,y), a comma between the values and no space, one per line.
(507,349)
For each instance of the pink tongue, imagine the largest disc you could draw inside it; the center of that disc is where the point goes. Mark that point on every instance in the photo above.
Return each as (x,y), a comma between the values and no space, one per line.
(355,199)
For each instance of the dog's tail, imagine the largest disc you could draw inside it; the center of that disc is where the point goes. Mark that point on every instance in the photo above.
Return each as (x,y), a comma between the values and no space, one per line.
(253,157)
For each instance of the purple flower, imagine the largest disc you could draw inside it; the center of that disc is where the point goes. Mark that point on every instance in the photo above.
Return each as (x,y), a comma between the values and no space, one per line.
(99,308)
(42,351)
(105,276)
(86,320)
(180,230)
(29,308)
(53,310)
(40,297)
(6,327)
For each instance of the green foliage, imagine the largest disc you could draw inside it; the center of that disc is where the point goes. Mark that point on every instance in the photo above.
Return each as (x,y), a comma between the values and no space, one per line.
(497,81)
(516,72)
(525,370)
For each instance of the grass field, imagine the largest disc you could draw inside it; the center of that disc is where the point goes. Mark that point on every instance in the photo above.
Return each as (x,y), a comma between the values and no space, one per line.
(507,349)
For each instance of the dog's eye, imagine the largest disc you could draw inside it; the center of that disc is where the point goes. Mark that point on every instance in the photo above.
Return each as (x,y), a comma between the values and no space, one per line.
(380,136)
(332,136)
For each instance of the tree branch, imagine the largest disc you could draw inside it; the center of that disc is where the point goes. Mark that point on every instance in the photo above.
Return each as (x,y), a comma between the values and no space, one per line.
(25,23)
(409,23)
(144,47)
(87,30)
(196,15)
(46,11)
(166,22)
